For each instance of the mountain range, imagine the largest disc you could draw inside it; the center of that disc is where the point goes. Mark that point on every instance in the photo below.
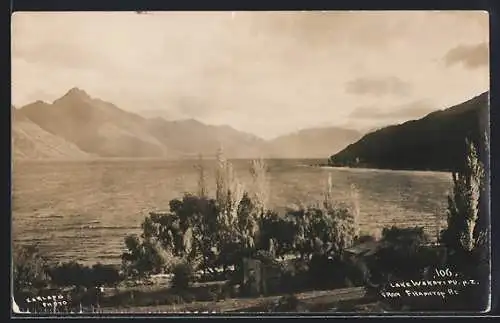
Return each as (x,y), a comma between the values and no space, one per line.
(78,126)
(434,142)
(30,141)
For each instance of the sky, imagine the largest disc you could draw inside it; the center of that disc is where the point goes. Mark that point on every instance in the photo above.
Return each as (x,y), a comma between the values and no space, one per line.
(266,73)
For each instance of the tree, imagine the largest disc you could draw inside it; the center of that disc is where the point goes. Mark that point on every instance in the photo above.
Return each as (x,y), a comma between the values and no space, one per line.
(261,188)
(229,193)
(467,236)
(191,232)
(142,257)
(340,223)
(183,276)
(186,233)
(325,229)
(355,210)
(461,236)
(29,268)
(241,236)
(400,252)
(277,234)
(202,181)
(105,275)
(70,274)
(238,213)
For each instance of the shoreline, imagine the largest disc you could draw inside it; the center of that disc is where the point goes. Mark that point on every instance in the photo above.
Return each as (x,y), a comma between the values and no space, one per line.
(372,169)
(209,158)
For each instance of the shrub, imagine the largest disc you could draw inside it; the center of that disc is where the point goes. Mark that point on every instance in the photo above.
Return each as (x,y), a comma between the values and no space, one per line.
(325,272)
(70,274)
(276,234)
(75,274)
(399,249)
(29,268)
(143,257)
(186,296)
(326,229)
(288,303)
(233,287)
(224,292)
(204,294)
(172,299)
(105,275)
(358,272)
(186,232)
(183,276)
(84,296)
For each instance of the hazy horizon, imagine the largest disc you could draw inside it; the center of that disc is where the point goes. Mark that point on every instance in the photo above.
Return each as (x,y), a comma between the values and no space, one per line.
(265,73)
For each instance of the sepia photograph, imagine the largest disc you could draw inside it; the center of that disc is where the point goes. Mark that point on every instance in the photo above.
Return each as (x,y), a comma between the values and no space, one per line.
(237,162)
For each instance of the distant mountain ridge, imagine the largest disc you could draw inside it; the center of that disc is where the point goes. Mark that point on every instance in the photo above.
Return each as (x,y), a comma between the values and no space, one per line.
(311,142)
(92,127)
(434,142)
(95,126)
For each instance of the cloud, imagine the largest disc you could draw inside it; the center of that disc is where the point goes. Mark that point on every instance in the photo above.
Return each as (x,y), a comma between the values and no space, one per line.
(191,106)
(269,73)
(470,56)
(378,86)
(372,30)
(412,110)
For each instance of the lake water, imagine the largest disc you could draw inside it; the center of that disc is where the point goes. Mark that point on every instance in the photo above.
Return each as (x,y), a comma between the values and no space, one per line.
(83,210)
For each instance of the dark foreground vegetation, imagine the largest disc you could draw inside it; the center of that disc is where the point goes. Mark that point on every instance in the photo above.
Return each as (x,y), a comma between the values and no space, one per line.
(317,247)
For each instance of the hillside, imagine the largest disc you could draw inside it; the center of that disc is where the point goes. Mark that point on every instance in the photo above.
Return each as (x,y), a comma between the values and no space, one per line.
(95,126)
(434,142)
(29,141)
(191,138)
(99,128)
(311,143)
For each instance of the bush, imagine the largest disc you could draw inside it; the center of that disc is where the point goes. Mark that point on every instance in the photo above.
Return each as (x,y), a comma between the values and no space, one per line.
(288,303)
(324,230)
(143,257)
(76,274)
(173,299)
(289,276)
(224,292)
(326,273)
(105,275)
(84,296)
(29,268)
(70,274)
(183,276)
(206,295)
(233,288)
(400,247)
(186,296)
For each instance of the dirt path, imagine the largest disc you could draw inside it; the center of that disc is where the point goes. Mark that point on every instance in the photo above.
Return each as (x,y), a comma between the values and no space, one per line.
(236,304)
